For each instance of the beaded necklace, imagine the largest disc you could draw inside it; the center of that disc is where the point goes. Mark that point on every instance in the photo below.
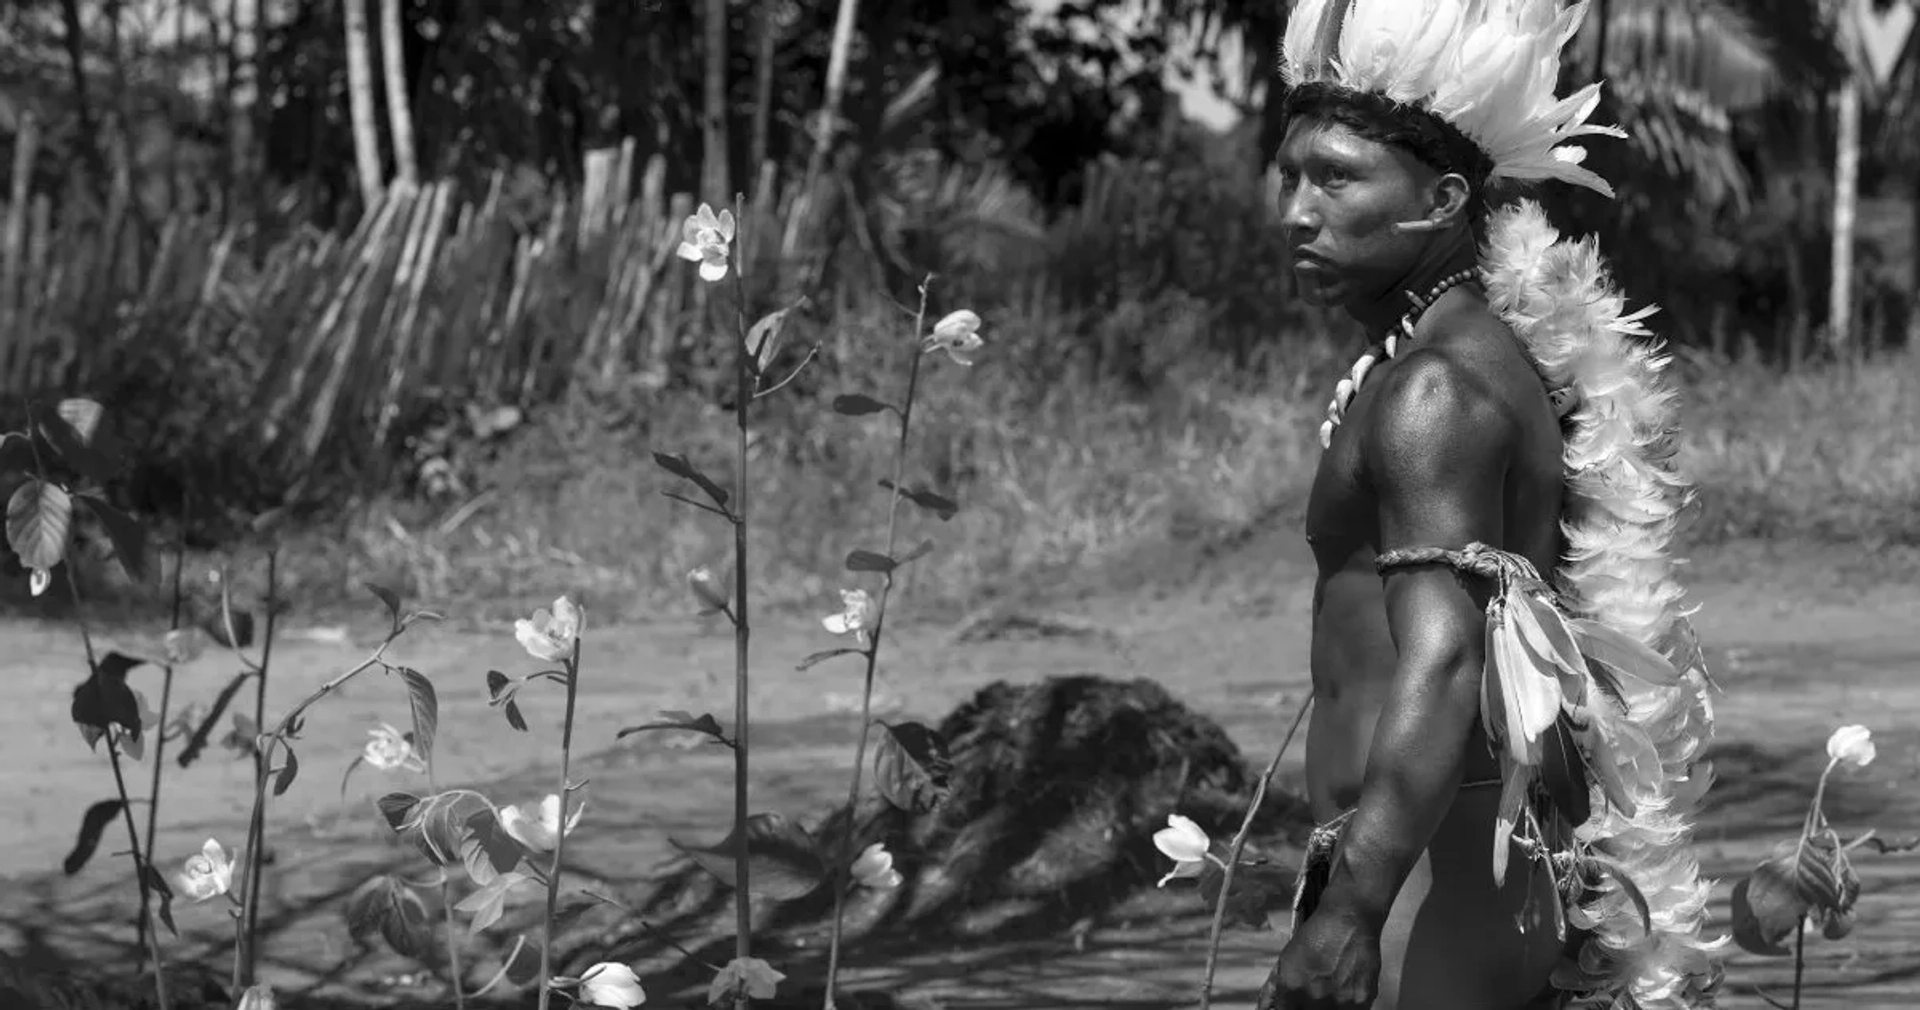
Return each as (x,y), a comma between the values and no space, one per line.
(1344,392)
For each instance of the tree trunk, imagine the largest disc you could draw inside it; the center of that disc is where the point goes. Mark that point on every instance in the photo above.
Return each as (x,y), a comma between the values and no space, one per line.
(366,132)
(763,82)
(716,182)
(824,128)
(244,98)
(393,57)
(83,107)
(1846,175)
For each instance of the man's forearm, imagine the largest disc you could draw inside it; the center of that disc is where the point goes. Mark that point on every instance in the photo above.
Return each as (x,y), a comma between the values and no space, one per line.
(1413,774)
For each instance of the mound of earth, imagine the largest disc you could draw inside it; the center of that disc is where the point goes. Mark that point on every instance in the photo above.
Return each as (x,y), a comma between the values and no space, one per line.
(1056,789)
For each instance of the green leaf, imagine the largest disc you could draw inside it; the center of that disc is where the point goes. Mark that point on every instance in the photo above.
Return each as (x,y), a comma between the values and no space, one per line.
(825,654)
(92,824)
(782,860)
(398,809)
(1758,930)
(763,339)
(1772,901)
(858,404)
(387,906)
(76,430)
(128,537)
(104,699)
(514,718)
(486,849)
(390,599)
(703,723)
(911,767)
(198,742)
(748,976)
(497,682)
(939,505)
(39,524)
(426,711)
(288,771)
(487,903)
(676,464)
(868,561)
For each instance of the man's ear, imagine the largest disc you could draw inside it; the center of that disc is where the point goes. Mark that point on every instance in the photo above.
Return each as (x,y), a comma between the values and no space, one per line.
(1446,205)
(1451,194)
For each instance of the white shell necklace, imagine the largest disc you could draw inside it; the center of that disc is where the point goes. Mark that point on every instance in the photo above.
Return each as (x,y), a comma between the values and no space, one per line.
(1343,393)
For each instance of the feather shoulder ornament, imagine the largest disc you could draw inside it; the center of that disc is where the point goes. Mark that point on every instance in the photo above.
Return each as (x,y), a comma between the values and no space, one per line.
(1604,644)
(1488,67)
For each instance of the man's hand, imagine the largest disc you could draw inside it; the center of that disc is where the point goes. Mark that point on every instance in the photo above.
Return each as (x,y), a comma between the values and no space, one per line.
(1332,963)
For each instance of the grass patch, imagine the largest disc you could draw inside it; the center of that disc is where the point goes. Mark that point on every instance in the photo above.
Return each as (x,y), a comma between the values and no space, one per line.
(1056,480)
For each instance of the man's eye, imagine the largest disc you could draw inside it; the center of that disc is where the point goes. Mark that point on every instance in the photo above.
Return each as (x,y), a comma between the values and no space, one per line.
(1334,177)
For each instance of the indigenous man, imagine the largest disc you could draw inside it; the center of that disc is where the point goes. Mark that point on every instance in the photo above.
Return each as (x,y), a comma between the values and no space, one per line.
(1484,740)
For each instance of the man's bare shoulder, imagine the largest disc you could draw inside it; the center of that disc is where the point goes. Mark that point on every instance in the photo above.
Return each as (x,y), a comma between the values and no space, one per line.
(1436,411)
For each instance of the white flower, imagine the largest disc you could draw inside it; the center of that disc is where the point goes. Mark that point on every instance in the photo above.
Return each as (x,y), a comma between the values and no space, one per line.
(703,240)
(540,830)
(38,582)
(257,997)
(208,874)
(611,985)
(708,589)
(1183,842)
(958,333)
(1851,744)
(875,869)
(551,636)
(856,617)
(388,749)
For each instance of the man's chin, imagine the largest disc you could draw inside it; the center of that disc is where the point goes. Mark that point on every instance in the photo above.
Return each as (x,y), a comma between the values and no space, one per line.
(1317,290)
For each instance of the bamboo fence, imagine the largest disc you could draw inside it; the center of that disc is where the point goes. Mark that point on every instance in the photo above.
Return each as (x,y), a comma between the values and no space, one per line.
(339,335)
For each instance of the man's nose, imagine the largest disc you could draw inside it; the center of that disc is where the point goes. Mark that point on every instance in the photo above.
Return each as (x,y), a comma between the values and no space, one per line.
(1297,214)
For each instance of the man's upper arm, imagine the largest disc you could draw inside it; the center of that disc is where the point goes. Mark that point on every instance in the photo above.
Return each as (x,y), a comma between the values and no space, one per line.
(1436,459)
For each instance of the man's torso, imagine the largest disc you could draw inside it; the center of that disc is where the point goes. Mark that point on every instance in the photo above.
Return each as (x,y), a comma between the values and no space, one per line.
(1353,655)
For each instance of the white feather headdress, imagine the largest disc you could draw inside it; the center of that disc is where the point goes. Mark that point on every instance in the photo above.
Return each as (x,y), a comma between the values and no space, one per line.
(1488,67)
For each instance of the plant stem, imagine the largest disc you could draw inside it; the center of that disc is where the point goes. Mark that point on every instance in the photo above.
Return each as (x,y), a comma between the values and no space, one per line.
(1233,855)
(743,398)
(160,734)
(257,828)
(1799,958)
(140,863)
(141,858)
(560,830)
(446,903)
(843,866)
(256,821)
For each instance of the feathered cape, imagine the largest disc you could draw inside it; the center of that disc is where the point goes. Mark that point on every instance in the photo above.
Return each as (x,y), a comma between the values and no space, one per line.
(1603,644)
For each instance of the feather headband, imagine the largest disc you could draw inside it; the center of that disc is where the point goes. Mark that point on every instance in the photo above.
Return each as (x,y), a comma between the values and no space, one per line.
(1487,67)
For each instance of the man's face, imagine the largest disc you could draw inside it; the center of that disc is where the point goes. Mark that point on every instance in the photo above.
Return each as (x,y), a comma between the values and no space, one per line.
(1341,194)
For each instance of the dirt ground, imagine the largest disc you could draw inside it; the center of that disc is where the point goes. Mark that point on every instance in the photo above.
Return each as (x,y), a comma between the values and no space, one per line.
(1798,648)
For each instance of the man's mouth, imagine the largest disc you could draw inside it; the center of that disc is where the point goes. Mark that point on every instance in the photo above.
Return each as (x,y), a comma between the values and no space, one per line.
(1308,260)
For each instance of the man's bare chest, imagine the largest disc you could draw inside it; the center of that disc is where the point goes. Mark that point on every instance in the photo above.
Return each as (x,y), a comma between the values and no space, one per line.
(1341,510)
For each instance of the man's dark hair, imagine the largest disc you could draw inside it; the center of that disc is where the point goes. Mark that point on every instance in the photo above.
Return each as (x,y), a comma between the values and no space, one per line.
(1435,142)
